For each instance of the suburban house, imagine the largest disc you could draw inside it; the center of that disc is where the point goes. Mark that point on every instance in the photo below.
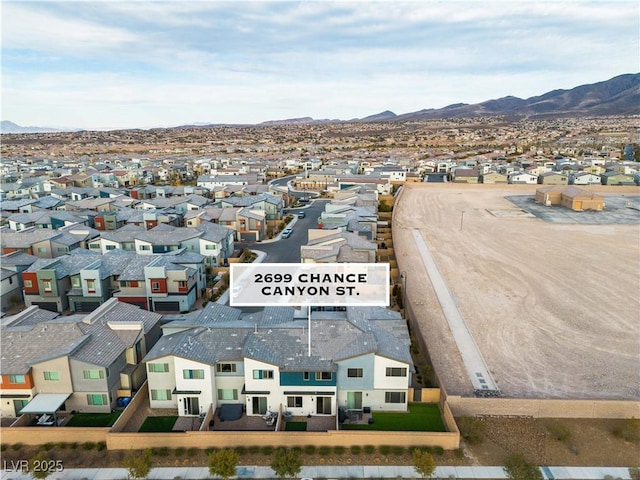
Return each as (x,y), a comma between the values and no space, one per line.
(553,178)
(362,220)
(617,178)
(584,178)
(493,177)
(464,175)
(13,264)
(81,363)
(264,362)
(331,246)
(271,204)
(522,178)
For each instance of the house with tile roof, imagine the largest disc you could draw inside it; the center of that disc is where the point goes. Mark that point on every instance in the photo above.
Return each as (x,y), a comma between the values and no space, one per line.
(330,246)
(355,358)
(77,363)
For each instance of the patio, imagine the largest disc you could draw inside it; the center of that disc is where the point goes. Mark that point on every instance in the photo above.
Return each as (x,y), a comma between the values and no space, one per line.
(256,423)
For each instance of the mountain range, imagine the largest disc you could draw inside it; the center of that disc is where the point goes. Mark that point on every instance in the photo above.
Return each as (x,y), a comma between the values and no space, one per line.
(617,96)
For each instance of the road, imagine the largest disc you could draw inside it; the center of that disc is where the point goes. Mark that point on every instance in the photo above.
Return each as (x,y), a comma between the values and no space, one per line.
(287,250)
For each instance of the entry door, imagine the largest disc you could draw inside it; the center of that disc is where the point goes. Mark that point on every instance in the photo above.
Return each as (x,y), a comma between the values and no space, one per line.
(259,405)
(323,405)
(191,406)
(354,400)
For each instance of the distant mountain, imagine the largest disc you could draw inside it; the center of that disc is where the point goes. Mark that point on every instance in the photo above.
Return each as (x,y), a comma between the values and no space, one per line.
(617,96)
(380,117)
(10,127)
(297,121)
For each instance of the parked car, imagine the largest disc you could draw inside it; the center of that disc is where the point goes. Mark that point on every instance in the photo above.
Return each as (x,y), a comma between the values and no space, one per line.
(286,233)
(301,214)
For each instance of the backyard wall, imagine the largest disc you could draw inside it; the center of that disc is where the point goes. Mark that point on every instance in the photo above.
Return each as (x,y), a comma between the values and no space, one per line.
(125,441)
(42,435)
(543,408)
(139,400)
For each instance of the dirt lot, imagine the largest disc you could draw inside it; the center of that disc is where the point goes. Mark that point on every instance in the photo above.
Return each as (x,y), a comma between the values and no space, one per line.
(553,307)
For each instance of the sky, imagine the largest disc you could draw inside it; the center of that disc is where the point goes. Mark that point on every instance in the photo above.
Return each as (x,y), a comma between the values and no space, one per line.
(140,64)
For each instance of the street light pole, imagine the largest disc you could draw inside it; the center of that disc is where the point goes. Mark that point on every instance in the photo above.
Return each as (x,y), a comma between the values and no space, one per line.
(461,219)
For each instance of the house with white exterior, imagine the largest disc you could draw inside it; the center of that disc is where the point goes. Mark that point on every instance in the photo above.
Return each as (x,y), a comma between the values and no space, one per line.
(522,178)
(355,358)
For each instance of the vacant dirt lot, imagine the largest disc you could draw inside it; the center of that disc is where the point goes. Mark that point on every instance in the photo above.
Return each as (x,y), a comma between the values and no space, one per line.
(552,307)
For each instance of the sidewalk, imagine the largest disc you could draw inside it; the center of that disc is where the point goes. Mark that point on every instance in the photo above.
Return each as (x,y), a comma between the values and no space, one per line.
(329,472)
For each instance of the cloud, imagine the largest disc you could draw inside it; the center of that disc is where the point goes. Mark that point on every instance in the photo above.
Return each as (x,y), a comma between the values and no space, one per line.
(252,61)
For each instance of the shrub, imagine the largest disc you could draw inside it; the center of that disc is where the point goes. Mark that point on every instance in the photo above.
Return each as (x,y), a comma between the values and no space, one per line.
(180,451)
(559,431)
(634,473)
(88,446)
(339,450)
(16,446)
(310,449)
(192,452)
(160,451)
(369,449)
(100,446)
(138,464)
(438,450)
(267,450)
(62,445)
(73,445)
(223,463)
(384,449)
(518,468)
(472,429)
(628,430)
(241,451)
(3,447)
(324,450)
(356,450)
(397,450)
(459,453)
(47,446)
(254,449)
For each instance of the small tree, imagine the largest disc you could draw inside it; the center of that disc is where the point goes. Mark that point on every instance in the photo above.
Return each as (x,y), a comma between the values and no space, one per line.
(39,466)
(518,468)
(286,462)
(138,464)
(223,463)
(423,462)
(634,473)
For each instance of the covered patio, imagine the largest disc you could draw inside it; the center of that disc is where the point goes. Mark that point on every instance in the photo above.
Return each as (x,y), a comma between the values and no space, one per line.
(44,407)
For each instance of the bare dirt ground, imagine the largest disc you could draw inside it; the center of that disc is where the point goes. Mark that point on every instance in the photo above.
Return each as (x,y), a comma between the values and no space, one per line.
(553,307)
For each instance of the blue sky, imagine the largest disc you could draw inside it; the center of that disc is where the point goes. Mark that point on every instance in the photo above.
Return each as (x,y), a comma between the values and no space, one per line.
(139,64)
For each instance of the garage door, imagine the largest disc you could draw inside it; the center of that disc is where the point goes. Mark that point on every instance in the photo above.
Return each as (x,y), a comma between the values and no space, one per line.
(51,306)
(86,306)
(167,306)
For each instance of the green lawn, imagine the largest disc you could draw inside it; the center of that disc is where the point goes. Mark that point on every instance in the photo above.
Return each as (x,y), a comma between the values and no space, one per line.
(158,424)
(93,419)
(296,426)
(421,417)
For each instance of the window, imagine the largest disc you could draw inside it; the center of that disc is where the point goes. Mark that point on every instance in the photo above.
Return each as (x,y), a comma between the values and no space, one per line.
(93,374)
(294,402)
(158,367)
(46,285)
(306,375)
(28,284)
(227,394)
(182,284)
(155,286)
(62,249)
(396,372)
(16,378)
(94,246)
(42,250)
(225,367)
(193,374)
(323,376)
(110,247)
(145,247)
(160,394)
(52,376)
(354,372)
(91,286)
(75,281)
(262,374)
(209,247)
(96,399)
(394,397)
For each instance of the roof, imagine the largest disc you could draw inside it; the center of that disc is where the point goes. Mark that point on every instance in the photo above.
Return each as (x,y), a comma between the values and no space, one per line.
(45,403)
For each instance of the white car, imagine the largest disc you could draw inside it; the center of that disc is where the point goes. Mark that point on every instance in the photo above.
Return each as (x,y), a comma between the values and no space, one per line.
(286,233)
